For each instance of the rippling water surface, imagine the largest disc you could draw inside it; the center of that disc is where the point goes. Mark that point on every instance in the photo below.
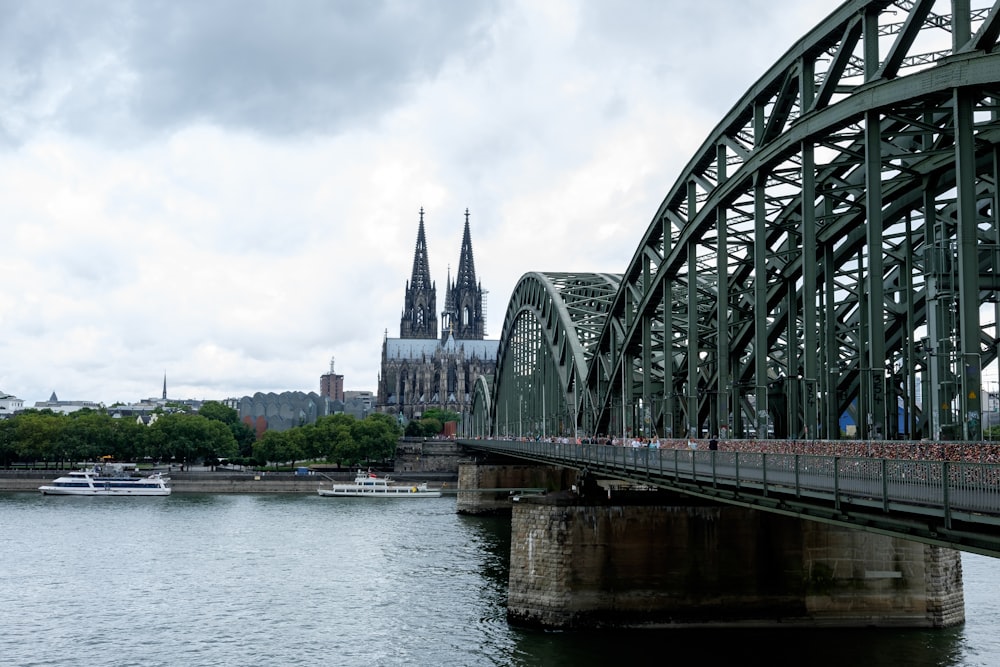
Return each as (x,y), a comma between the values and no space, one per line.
(304,580)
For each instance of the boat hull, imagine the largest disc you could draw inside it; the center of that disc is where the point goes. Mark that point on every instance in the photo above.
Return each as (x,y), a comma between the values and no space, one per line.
(98,491)
(370,485)
(354,493)
(93,483)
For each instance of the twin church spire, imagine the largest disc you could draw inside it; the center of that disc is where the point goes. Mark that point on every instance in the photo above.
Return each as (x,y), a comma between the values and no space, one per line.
(420,306)
(463,315)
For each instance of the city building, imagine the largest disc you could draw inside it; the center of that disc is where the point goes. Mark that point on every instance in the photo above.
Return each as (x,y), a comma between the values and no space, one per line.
(359,403)
(280,412)
(148,406)
(65,407)
(331,385)
(422,370)
(9,404)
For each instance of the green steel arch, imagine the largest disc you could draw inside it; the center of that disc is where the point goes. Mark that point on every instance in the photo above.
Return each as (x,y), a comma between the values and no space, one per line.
(833,246)
(479,413)
(552,323)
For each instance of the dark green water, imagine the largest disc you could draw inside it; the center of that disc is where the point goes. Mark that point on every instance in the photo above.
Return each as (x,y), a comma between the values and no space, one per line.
(303,580)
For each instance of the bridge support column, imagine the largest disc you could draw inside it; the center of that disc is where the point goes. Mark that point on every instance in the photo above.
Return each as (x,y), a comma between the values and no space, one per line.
(486,488)
(630,564)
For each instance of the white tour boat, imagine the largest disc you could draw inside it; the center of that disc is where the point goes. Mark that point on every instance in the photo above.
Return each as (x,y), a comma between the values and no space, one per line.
(107,479)
(370,485)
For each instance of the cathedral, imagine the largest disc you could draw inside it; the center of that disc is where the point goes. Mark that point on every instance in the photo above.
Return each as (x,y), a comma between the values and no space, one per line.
(422,369)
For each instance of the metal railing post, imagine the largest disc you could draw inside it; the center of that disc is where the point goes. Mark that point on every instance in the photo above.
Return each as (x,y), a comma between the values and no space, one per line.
(712,454)
(836,483)
(763,473)
(945,470)
(798,489)
(737,465)
(885,488)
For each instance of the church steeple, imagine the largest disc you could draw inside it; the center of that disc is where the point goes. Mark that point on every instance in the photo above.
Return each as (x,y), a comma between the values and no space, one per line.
(419,318)
(448,315)
(466,265)
(466,295)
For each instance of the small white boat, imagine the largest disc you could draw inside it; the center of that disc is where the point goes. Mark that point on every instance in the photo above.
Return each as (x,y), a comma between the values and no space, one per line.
(370,485)
(107,479)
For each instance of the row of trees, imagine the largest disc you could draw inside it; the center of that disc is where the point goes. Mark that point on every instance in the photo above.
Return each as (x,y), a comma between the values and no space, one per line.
(86,435)
(214,433)
(339,439)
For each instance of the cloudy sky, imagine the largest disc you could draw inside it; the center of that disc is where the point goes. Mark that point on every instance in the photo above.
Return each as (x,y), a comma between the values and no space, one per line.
(227,192)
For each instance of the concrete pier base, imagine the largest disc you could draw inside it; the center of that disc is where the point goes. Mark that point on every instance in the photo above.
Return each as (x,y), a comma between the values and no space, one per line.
(474,478)
(576,564)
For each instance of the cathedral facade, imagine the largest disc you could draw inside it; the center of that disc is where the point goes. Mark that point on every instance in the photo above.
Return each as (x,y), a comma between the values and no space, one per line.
(423,368)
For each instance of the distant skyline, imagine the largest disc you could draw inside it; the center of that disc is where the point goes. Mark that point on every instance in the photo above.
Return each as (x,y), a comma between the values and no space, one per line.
(231,192)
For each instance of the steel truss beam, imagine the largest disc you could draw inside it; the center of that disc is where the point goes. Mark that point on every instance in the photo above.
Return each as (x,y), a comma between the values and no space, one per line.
(552,323)
(828,249)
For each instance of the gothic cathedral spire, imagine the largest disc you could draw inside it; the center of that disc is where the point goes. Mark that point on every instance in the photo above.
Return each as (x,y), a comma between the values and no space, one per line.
(419,318)
(465,296)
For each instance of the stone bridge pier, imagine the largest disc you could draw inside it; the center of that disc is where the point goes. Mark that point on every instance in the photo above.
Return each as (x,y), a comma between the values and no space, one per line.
(649,559)
(487,487)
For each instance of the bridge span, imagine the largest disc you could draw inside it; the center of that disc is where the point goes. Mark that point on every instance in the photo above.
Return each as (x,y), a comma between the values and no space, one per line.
(640,536)
(831,252)
(827,261)
(953,504)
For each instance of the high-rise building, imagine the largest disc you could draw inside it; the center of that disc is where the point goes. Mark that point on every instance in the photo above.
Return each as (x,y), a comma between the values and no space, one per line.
(421,370)
(331,385)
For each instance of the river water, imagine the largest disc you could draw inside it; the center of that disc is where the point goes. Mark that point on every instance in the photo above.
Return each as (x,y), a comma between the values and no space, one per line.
(301,580)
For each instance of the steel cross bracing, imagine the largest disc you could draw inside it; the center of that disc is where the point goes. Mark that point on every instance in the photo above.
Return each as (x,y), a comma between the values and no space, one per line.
(831,247)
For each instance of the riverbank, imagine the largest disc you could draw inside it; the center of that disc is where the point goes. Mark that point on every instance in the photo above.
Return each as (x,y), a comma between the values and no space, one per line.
(225,481)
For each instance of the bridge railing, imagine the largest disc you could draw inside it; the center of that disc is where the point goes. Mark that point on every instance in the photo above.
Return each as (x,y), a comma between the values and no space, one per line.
(916,486)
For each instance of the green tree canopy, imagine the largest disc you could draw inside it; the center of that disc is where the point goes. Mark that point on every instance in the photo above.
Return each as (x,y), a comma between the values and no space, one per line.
(219,412)
(442,415)
(376,436)
(341,447)
(130,440)
(424,428)
(8,449)
(186,437)
(242,433)
(38,435)
(279,447)
(87,436)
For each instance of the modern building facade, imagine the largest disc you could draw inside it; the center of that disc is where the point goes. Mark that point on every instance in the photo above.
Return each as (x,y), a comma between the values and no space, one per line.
(280,412)
(422,369)
(359,403)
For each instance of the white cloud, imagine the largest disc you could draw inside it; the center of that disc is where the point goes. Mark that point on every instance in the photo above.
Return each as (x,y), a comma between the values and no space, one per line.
(232,197)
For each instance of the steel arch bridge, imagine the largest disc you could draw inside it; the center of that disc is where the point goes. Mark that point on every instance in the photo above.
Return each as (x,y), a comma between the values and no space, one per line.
(552,325)
(832,247)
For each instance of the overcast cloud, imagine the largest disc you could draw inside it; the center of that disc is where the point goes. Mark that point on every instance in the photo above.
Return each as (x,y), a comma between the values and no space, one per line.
(228,192)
